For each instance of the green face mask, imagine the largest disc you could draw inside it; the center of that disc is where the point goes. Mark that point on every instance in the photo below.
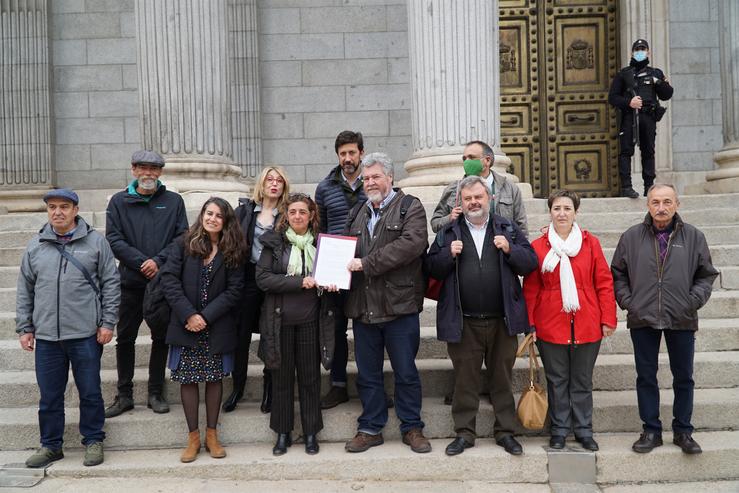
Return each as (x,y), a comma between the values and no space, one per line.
(472,167)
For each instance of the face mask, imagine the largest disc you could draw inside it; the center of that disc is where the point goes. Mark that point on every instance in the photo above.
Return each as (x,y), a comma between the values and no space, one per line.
(640,55)
(472,167)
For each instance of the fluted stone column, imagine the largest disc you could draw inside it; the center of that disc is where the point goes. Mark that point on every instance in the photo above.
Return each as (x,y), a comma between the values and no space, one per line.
(25,105)
(726,178)
(455,86)
(648,19)
(184,88)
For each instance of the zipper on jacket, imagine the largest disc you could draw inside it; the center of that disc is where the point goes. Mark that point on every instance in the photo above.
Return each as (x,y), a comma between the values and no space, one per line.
(660,271)
(58,297)
(573,341)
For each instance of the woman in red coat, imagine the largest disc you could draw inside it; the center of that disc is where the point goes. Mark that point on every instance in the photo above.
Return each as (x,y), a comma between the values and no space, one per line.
(571,307)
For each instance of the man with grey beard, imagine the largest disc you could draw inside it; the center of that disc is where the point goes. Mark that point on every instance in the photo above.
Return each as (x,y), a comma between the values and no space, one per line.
(141,223)
(480,248)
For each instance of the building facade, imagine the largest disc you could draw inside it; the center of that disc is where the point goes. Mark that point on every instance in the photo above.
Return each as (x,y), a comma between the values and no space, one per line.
(222,87)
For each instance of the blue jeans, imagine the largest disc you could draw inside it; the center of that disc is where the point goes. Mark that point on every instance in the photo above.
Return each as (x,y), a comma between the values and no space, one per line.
(681,348)
(401,338)
(341,346)
(52,372)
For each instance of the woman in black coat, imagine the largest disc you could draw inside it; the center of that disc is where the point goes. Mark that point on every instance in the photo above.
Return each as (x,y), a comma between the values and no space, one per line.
(202,281)
(257,216)
(296,324)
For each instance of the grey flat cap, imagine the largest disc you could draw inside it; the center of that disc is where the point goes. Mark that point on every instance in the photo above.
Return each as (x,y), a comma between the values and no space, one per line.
(147,157)
(62,193)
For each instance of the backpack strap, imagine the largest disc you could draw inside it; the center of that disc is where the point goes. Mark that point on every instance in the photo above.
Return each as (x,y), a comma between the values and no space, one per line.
(64,253)
(353,213)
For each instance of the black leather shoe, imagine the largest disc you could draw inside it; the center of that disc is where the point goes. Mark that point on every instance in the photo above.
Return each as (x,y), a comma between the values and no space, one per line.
(157,404)
(230,403)
(311,445)
(510,445)
(457,446)
(284,440)
(686,442)
(335,396)
(266,406)
(647,441)
(557,442)
(588,443)
(120,405)
(629,193)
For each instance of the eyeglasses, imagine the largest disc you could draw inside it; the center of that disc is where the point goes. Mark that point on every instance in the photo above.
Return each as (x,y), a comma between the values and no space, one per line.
(274,179)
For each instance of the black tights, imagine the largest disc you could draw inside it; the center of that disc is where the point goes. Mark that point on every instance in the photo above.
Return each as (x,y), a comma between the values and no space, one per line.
(190,395)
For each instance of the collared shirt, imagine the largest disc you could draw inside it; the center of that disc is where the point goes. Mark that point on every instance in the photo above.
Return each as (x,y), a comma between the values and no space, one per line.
(259,230)
(357,181)
(491,184)
(66,237)
(478,235)
(376,214)
(663,238)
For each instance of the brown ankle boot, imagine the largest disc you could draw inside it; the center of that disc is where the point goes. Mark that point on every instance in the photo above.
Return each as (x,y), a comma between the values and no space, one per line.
(212,445)
(193,447)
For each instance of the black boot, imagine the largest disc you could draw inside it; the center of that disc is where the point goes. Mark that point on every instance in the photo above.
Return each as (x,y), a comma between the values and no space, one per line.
(236,395)
(284,440)
(266,406)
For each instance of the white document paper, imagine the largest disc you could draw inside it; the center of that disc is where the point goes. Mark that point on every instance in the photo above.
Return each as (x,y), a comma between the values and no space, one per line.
(332,259)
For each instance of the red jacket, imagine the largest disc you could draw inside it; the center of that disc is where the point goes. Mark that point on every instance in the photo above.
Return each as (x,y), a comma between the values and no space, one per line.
(594,291)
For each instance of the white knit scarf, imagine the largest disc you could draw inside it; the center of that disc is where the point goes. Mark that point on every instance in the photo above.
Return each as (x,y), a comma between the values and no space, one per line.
(561,252)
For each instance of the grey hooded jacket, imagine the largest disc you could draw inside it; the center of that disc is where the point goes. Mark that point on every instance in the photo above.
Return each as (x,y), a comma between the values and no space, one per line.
(54,299)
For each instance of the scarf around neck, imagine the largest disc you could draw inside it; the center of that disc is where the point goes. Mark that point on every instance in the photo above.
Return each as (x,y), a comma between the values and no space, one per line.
(560,253)
(302,244)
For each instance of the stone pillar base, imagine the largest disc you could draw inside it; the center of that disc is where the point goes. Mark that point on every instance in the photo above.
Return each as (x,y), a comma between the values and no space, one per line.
(196,181)
(726,178)
(28,200)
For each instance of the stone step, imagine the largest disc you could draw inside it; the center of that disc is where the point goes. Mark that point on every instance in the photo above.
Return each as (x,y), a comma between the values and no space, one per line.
(721,255)
(714,409)
(617,464)
(34,221)
(624,220)
(612,372)
(729,277)
(9,276)
(14,239)
(11,256)
(715,235)
(714,335)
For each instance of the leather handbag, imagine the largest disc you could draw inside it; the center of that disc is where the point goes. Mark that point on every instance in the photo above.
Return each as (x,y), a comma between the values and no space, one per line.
(532,406)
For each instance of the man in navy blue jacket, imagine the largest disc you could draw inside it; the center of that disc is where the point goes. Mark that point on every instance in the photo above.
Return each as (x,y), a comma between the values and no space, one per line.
(140,224)
(335,197)
(480,325)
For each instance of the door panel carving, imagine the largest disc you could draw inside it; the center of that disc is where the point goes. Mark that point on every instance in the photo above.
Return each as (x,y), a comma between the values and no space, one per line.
(557,60)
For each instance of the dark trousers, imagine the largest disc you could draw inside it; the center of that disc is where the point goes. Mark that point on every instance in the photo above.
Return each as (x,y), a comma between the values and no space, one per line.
(53,359)
(569,371)
(483,340)
(647,134)
(400,337)
(681,349)
(341,347)
(131,316)
(299,354)
(251,304)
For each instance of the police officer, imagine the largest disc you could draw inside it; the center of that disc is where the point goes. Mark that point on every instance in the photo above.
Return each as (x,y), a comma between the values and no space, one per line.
(636,91)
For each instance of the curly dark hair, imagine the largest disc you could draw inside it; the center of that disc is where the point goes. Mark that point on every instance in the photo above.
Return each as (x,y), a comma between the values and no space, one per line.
(315,223)
(231,243)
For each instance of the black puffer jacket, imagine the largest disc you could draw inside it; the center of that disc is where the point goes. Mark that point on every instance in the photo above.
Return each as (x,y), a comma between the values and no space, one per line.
(272,278)
(333,204)
(667,297)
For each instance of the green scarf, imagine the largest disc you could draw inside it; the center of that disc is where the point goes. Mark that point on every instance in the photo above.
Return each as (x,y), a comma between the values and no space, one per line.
(304,244)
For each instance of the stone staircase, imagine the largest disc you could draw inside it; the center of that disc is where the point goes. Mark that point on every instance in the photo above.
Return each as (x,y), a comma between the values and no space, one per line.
(132,436)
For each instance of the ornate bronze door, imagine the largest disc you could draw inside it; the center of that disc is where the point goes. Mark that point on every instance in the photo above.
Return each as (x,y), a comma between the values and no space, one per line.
(557,59)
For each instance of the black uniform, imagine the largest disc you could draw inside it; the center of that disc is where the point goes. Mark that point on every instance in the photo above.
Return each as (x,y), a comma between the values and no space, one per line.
(638,79)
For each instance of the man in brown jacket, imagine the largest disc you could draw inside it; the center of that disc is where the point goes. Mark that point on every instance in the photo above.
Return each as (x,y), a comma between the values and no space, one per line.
(662,275)
(385,299)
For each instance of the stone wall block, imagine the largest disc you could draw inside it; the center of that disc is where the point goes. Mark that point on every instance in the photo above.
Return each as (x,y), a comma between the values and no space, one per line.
(302,99)
(345,19)
(328,125)
(301,46)
(85,26)
(88,78)
(345,72)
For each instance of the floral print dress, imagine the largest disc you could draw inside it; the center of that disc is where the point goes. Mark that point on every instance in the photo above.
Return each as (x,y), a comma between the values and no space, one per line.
(195,364)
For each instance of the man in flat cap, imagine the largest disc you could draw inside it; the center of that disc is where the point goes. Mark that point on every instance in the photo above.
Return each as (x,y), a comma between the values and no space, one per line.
(66,308)
(636,91)
(141,222)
